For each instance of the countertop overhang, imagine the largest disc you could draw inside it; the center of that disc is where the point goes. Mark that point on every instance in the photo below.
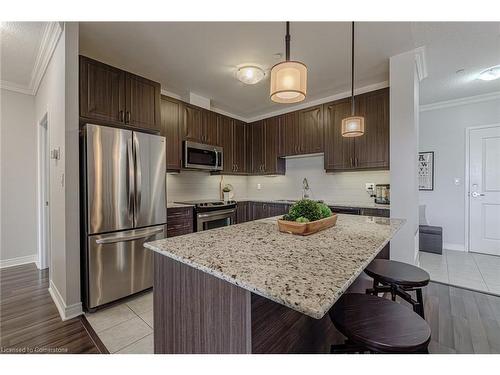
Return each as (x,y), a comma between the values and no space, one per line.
(307,274)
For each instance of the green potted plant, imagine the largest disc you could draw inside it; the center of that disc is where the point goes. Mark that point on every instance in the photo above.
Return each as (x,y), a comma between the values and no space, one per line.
(226,190)
(307,217)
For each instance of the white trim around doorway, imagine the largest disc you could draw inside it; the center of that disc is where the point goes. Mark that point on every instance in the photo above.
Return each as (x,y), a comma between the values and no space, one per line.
(43,225)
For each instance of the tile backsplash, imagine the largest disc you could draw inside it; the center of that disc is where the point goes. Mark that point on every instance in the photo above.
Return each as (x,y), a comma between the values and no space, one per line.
(339,187)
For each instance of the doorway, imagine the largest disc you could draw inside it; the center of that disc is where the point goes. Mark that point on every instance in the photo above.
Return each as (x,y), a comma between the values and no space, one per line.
(483,171)
(43,194)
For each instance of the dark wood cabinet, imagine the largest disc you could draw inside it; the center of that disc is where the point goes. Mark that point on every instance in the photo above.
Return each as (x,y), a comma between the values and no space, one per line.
(102,91)
(311,130)
(239,147)
(262,210)
(200,125)
(264,141)
(226,141)
(242,214)
(179,221)
(143,102)
(171,114)
(301,132)
(112,96)
(371,150)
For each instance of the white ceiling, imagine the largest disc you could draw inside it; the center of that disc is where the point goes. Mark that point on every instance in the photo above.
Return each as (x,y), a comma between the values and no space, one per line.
(202,57)
(19,46)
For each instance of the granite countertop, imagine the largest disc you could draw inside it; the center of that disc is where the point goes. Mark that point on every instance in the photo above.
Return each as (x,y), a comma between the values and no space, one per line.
(178,205)
(307,274)
(348,204)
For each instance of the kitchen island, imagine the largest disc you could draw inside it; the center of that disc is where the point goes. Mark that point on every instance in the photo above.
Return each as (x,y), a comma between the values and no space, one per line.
(248,288)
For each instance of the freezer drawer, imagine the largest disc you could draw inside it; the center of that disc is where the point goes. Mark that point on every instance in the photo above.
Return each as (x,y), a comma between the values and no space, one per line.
(119,265)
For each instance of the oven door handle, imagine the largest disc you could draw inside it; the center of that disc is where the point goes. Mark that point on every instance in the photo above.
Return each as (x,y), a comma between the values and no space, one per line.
(216,214)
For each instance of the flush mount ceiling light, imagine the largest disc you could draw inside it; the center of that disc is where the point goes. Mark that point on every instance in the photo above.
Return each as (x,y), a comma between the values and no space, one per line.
(288,78)
(353,126)
(250,74)
(490,74)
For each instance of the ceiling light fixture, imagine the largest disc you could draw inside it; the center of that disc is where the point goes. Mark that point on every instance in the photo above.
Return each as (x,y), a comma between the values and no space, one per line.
(490,74)
(250,74)
(353,126)
(288,78)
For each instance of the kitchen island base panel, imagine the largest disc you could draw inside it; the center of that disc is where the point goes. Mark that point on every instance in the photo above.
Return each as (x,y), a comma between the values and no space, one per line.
(195,312)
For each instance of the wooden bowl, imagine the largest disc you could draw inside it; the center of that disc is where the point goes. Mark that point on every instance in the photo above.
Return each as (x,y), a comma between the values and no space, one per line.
(305,229)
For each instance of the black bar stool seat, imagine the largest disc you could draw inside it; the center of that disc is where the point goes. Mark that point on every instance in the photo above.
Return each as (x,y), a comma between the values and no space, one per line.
(398,279)
(378,325)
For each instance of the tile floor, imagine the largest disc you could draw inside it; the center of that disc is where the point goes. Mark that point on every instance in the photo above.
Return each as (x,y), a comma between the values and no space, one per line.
(126,328)
(474,271)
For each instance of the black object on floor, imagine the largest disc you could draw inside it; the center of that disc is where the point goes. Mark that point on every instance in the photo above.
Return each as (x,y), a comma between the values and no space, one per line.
(378,325)
(430,239)
(398,279)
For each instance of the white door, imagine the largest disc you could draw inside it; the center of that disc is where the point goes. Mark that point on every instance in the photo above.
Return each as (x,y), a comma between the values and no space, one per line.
(484,190)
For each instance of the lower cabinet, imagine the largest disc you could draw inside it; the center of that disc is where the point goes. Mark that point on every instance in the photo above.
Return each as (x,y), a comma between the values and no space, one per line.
(242,212)
(179,221)
(262,210)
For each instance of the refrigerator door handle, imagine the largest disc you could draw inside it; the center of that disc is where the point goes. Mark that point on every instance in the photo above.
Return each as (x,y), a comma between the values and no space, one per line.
(138,178)
(114,239)
(131,179)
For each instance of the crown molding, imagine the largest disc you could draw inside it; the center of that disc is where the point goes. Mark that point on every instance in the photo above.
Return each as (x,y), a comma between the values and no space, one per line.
(460,101)
(326,99)
(421,62)
(48,43)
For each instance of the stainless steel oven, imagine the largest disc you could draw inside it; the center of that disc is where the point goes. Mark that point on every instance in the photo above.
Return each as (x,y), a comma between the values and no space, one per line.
(202,156)
(213,214)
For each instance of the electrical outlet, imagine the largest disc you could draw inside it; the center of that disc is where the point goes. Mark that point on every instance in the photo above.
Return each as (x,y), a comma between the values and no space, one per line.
(369,187)
(259,186)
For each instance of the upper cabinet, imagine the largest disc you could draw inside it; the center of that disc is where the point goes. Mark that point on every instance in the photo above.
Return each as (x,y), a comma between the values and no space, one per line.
(116,97)
(265,141)
(171,114)
(200,125)
(301,132)
(369,151)
(239,147)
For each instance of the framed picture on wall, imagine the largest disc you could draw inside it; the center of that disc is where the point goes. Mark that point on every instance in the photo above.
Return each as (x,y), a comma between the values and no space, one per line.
(426,170)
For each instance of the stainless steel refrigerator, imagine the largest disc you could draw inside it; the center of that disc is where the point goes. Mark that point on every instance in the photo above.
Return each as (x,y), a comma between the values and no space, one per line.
(124,206)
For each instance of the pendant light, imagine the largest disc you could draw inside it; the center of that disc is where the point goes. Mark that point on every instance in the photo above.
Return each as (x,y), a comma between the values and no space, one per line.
(288,78)
(353,126)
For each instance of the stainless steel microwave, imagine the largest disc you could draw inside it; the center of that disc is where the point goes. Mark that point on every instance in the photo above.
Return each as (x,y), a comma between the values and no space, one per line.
(202,156)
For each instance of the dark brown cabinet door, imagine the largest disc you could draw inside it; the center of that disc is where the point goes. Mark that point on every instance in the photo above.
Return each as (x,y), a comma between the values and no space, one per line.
(179,221)
(289,134)
(239,146)
(339,151)
(143,102)
(261,210)
(242,212)
(171,112)
(211,128)
(272,163)
(371,150)
(258,147)
(102,91)
(193,123)
(311,130)
(226,141)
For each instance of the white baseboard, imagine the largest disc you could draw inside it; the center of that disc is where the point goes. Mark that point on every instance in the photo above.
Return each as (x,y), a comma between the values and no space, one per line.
(18,261)
(454,246)
(66,312)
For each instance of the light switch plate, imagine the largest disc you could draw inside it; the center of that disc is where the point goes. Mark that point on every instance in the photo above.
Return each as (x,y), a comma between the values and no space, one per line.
(259,186)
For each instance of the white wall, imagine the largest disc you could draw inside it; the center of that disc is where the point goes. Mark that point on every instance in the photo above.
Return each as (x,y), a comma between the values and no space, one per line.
(57,96)
(341,187)
(443,131)
(187,185)
(18,164)
(404,106)
(338,187)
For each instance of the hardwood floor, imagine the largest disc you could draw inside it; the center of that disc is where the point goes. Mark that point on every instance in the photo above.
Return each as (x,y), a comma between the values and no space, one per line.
(29,320)
(462,321)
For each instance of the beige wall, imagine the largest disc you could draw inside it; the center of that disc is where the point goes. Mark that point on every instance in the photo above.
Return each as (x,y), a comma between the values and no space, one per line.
(18,164)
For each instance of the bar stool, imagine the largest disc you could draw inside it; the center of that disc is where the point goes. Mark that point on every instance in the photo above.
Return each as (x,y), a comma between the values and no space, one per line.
(378,325)
(398,279)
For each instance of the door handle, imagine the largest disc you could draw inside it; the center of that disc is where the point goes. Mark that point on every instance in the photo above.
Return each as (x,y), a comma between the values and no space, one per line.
(131,178)
(475,194)
(138,178)
(121,115)
(115,239)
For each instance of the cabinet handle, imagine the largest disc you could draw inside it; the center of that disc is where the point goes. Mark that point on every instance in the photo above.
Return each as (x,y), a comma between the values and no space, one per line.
(352,164)
(356,162)
(128,118)
(121,115)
